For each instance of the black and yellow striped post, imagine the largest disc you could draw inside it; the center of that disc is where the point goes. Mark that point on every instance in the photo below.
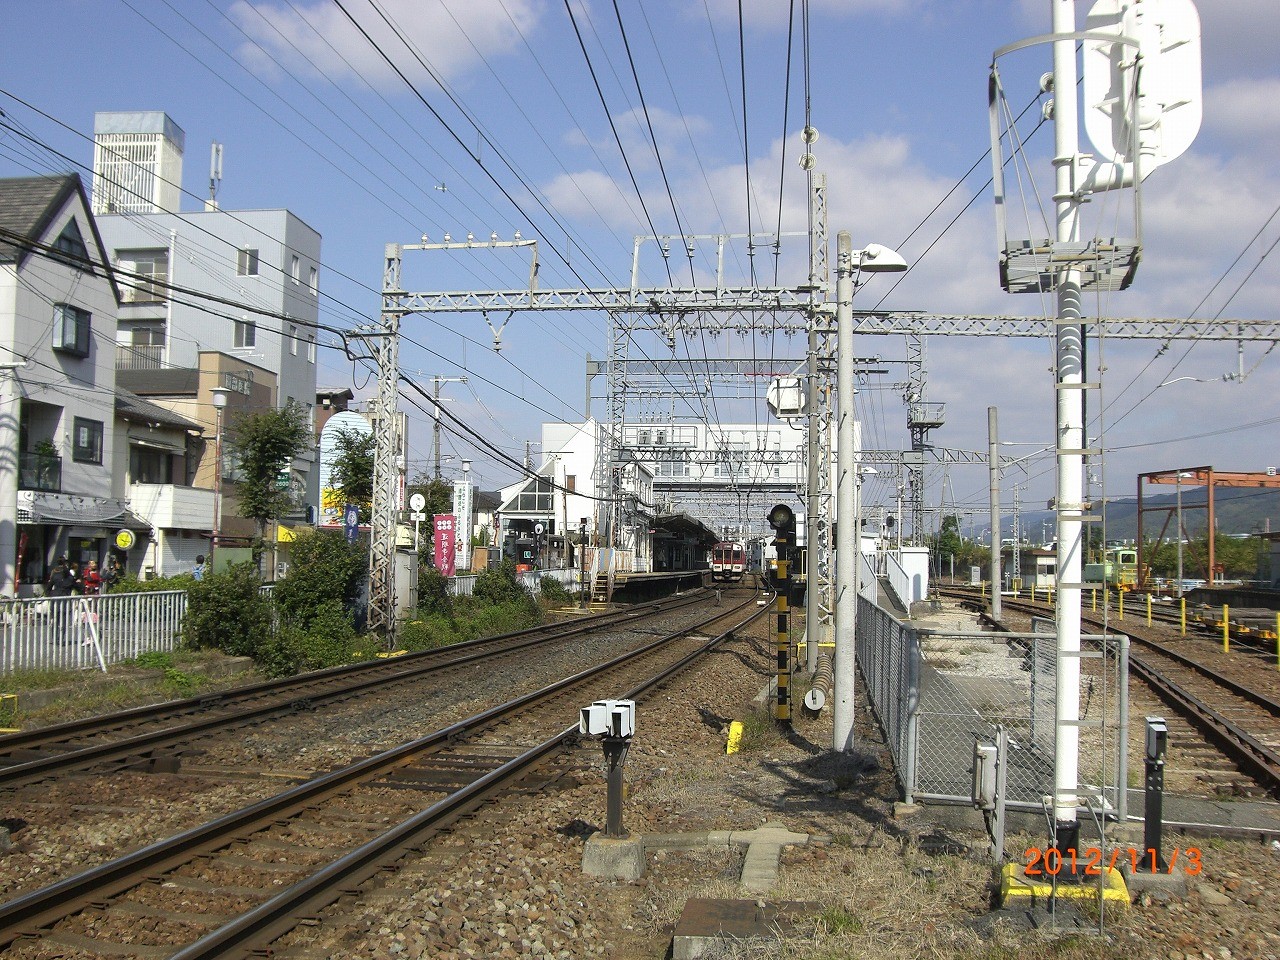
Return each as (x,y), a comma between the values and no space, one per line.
(783,521)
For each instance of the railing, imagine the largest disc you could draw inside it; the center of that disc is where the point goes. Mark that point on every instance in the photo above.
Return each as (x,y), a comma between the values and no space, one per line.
(888,656)
(465,585)
(39,471)
(77,633)
(139,358)
(899,582)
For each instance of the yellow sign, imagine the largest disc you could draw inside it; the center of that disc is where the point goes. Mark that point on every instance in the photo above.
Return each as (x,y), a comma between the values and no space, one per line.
(125,539)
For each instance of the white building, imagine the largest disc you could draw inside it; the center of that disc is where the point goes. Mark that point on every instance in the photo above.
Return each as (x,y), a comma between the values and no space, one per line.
(570,495)
(253,275)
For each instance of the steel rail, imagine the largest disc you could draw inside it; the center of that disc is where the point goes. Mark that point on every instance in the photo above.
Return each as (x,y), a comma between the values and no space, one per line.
(249,933)
(1256,756)
(27,914)
(351,678)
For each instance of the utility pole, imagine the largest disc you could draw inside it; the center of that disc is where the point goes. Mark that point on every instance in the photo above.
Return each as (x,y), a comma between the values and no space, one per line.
(993,458)
(387,446)
(436,382)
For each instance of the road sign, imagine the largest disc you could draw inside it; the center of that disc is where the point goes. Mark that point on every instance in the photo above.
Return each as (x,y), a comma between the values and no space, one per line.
(417,517)
(417,502)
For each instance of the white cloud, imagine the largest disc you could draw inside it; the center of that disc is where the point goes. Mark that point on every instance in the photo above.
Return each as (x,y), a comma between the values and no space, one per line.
(451,38)
(771,13)
(1244,111)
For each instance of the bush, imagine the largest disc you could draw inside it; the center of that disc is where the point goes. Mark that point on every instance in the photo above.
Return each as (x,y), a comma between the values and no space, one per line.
(329,640)
(127,584)
(325,568)
(433,592)
(553,591)
(226,611)
(498,585)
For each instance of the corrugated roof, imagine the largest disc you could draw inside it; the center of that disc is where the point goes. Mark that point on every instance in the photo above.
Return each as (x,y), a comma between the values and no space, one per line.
(26,206)
(133,407)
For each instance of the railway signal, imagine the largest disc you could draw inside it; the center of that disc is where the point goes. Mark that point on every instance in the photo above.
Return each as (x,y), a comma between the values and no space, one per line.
(783,521)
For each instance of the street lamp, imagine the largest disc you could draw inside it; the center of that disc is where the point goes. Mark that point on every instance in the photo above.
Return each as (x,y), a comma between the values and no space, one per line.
(1177,486)
(219,404)
(873,259)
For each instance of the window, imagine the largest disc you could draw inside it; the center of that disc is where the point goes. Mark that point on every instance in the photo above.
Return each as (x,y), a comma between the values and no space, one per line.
(86,444)
(147,336)
(313,281)
(246,334)
(247,262)
(293,339)
(295,269)
(70,243)
(145,275)
(311,348)
(147,465)
(71,329)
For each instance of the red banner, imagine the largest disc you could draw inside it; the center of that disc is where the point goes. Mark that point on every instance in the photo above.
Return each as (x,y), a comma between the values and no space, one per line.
(446,527)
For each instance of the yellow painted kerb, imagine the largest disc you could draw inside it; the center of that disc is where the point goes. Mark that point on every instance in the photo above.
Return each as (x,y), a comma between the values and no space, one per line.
(1016,885)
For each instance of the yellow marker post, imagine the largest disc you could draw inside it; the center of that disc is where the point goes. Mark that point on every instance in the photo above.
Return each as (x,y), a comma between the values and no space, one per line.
(1226,631)
(1120,603)
(1182,603)
(1148,609)
(1278,641)
(1094,591)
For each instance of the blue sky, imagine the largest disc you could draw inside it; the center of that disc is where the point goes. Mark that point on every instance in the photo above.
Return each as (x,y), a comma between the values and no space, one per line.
(313,119)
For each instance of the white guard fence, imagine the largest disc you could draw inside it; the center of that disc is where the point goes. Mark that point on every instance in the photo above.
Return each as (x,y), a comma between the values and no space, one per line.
(465,586)
(75,633)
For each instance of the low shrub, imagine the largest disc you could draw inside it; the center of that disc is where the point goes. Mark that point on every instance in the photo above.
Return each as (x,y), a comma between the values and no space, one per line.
(129,584)
(328,640)
(226,611)
(433,592)
(553,591)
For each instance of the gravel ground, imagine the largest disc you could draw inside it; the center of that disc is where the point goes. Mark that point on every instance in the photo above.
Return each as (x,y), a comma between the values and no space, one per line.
(508,882)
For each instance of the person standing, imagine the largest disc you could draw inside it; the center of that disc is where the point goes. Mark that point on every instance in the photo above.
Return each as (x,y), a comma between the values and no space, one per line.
(62,579)
(110,574)
(91,582)
(198,572)
(73,575)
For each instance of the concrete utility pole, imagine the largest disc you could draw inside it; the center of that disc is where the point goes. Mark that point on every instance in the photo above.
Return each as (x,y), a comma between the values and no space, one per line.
(993,458)
(1070,434)
(437,381)
(844,664)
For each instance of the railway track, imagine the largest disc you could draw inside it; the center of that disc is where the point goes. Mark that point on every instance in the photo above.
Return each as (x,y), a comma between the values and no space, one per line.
(232,886)
(153,737)
(1232,699)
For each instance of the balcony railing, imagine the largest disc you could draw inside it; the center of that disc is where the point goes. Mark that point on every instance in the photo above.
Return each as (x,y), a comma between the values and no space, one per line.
(39,471)
(139,358)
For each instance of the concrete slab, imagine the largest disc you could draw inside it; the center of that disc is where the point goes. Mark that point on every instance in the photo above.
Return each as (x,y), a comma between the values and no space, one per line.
(617,858)
(705,925)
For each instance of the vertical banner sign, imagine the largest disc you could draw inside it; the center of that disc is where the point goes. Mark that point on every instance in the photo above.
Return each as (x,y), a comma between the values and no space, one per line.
(351,522)
(462,510)
(446,529)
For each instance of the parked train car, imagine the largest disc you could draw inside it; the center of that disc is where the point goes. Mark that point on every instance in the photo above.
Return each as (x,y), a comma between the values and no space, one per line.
(1118,569)
(728,562)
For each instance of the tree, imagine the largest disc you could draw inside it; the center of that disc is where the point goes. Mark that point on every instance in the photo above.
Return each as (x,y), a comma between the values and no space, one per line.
(263,446)
(325,568)
(352,470)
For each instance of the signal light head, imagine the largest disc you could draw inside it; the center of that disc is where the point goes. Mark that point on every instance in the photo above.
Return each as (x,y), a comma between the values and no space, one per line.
(782,517)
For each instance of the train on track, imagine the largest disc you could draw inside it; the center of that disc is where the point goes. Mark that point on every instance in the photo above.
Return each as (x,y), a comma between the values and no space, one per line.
(728,562)
(1118,569)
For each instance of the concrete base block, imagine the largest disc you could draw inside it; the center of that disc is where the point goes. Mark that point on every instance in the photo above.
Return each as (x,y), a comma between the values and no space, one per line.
(1159,886)
(708,926)
(618,858)
(903,810)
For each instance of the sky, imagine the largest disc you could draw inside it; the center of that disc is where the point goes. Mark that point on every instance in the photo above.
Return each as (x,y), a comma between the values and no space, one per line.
(380,121)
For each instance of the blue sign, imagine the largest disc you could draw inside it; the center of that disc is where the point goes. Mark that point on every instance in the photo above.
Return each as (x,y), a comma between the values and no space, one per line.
(351,522)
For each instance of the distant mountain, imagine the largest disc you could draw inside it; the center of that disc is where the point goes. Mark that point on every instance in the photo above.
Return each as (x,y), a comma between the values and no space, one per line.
(1238,510)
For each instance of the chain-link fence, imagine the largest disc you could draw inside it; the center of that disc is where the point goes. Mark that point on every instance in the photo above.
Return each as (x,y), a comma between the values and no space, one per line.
(935,694)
